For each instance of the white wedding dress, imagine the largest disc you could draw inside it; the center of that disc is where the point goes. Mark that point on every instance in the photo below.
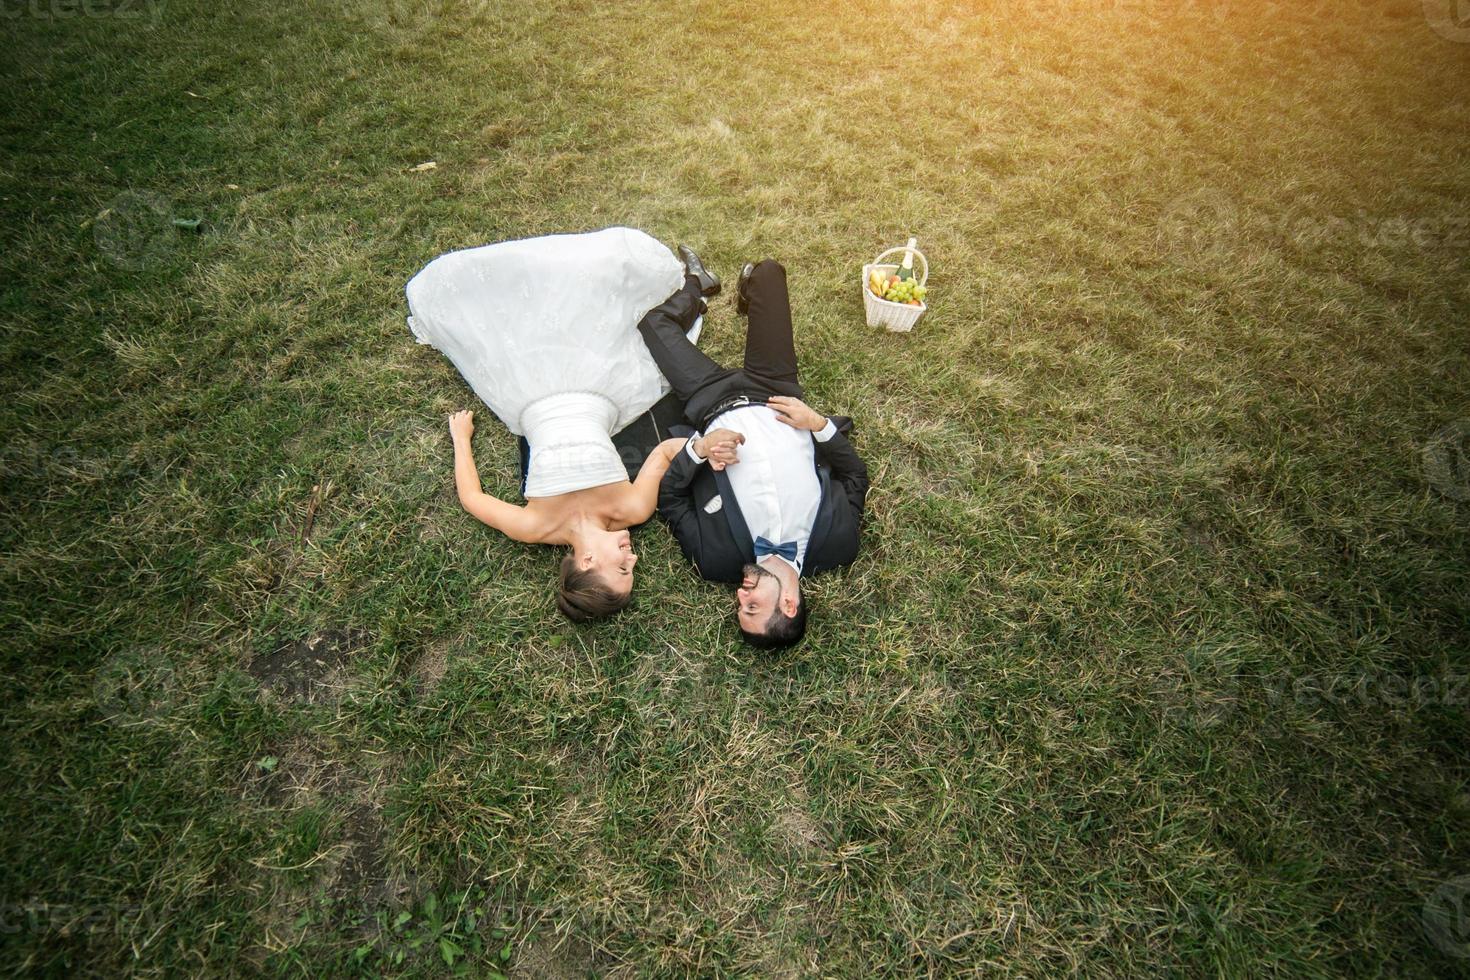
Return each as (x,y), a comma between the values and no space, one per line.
(545,330)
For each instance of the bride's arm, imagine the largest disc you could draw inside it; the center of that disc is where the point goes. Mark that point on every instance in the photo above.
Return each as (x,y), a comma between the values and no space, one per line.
(643,496)
(509,519)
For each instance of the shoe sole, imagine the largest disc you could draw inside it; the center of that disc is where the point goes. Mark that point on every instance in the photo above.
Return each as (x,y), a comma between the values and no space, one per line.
(742,302)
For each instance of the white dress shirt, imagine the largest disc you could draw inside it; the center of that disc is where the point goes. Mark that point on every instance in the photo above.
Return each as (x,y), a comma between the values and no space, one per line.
(775,481)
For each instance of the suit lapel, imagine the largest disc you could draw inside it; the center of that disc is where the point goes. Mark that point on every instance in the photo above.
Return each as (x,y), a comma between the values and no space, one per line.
(824,513)
(824,516)
(731,509)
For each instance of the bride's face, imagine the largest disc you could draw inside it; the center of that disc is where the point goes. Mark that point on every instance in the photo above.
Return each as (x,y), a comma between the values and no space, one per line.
(612,558)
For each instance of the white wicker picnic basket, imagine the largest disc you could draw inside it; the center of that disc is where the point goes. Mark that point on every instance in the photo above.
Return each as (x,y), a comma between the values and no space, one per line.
(898,317)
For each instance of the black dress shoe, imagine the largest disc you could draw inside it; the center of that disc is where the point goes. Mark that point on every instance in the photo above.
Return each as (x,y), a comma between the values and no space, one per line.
(709,283)
(742,301)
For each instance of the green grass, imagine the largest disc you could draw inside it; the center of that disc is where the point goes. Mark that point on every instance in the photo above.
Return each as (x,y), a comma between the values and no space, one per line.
(1160,531)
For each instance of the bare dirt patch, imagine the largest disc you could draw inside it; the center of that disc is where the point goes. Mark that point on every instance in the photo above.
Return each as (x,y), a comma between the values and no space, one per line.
(298,773)
(431,666)
(354,871)
(800,831)
(311,668)
(541,957)
(362,875)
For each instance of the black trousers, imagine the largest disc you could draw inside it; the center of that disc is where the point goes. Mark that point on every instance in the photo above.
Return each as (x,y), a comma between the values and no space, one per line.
(770,352)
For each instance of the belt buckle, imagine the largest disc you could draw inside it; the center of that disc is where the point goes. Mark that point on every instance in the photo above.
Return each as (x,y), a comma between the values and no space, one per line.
(738,401)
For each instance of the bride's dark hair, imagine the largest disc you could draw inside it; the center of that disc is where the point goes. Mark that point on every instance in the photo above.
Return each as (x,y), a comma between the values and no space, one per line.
(583,597)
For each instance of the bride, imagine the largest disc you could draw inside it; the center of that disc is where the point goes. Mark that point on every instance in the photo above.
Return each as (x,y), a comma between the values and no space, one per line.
(545,332)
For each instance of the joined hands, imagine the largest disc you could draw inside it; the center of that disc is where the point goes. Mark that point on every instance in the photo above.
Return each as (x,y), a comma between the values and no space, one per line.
(720,447)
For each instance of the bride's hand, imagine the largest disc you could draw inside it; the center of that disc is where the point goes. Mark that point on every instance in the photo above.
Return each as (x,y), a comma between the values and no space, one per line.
(721,447)
(462,424)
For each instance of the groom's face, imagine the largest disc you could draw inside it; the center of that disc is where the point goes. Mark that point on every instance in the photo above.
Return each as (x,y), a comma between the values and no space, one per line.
(756,599)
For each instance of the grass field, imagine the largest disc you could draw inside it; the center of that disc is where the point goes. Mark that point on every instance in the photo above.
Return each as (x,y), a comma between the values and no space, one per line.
(1157,659)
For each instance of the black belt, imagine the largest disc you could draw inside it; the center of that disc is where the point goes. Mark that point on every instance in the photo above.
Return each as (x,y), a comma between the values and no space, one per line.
(735,401)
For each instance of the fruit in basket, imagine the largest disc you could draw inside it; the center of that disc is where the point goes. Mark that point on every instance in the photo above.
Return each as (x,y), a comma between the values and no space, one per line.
(897,284)
(905,291)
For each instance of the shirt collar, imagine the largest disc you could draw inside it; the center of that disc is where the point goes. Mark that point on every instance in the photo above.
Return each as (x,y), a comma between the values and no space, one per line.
(795,566)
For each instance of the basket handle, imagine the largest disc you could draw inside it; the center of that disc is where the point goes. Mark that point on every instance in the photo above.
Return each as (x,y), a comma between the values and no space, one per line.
(917,254)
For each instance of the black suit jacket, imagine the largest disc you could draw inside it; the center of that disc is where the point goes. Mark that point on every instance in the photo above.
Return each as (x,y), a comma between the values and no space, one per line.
(719,543)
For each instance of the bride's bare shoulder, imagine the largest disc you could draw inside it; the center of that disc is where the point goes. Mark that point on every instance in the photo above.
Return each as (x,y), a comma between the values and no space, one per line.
(545,520)
(625,506)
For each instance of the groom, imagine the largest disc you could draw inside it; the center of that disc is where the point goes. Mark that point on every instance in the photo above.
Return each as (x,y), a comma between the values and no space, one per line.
(766,491)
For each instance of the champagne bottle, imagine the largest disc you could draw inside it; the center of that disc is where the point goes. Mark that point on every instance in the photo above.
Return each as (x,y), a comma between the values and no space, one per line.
(906,271)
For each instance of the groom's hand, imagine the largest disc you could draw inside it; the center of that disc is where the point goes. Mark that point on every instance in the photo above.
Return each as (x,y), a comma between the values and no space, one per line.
(720,447)
(795,413)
